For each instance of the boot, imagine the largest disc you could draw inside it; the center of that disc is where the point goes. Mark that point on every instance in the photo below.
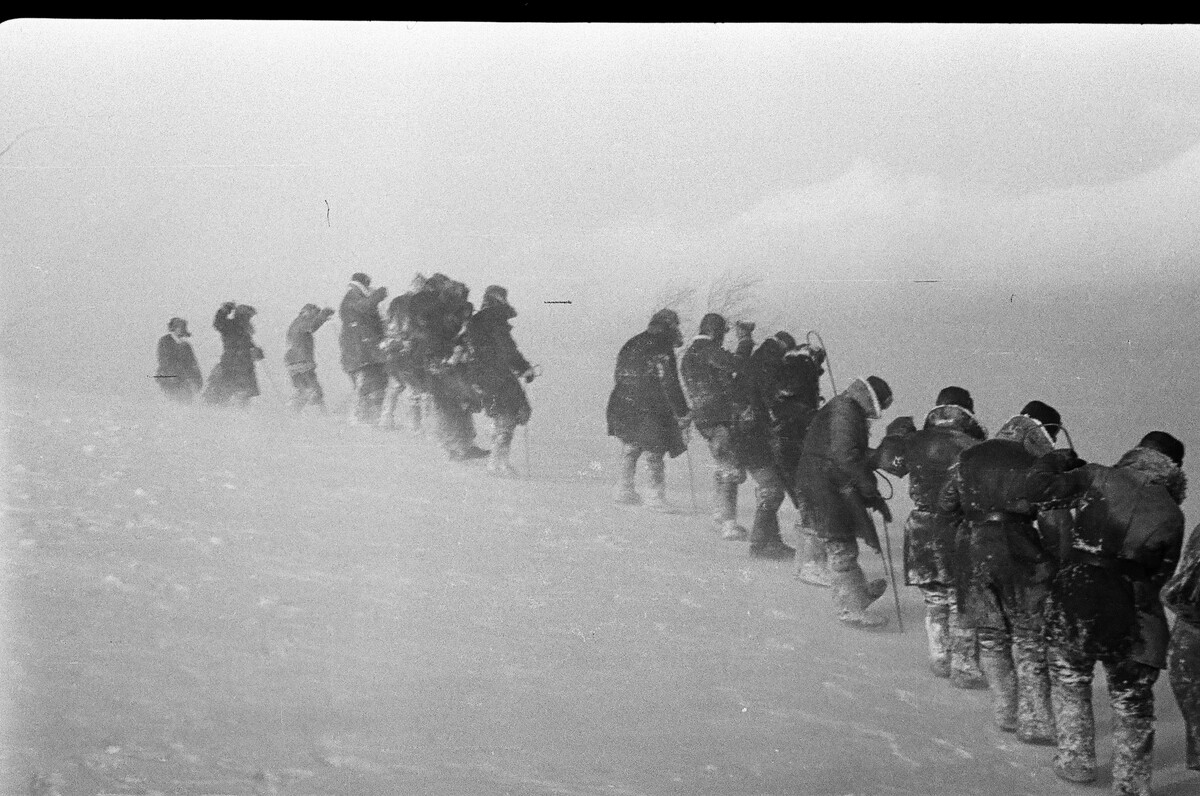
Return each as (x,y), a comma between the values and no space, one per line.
(852,595)
(725,516)
(1133,744)
(498,463)
(1075,731)
(625,493)
(765,540)
(814,568)
(937,630)
(1034,715)
(657,499)
(997,666)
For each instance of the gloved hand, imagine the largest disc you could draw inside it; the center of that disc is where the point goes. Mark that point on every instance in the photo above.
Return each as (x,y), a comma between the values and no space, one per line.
(878,504)
(684,421)
(328,311)
(529,375)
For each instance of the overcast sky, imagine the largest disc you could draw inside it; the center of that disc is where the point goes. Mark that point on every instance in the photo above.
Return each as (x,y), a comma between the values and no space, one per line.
(167,166)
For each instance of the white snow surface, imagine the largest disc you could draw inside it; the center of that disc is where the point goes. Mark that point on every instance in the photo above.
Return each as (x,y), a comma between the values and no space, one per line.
(204,601)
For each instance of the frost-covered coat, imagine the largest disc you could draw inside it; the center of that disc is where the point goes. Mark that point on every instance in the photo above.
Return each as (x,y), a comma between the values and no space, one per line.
(496,363)
(756,393)
(1126,539)
(299,357)
(178,372)
(362,327)
(647,399)
(926,457)
(234,373)
(835,476)
(1182,592)
(709,372)
(795,401)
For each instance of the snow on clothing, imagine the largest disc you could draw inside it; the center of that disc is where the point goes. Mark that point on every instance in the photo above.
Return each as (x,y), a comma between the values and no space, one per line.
(178,373)
(234,373)
(495,362)
(757,390)
(795,401)
(1003,571)
(1104,604)
(709,373)
(299,358)
(647,401)
(1182,595)
(362,327)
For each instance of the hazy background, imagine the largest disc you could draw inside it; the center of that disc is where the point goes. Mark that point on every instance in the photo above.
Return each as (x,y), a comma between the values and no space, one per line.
(1046,175)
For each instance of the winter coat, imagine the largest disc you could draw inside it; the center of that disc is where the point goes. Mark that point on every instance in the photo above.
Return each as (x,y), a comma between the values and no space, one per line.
(495,363)
(835,476)
(362,328)
(926,457)
(647,400)
(234,373)
(793,405)
(757,389)
(178,372)
(709,372)
(1182,592)
(1125,542)
(299,357)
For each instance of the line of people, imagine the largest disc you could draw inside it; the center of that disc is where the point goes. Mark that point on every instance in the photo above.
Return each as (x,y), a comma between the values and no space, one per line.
(452,361)
(1034,566)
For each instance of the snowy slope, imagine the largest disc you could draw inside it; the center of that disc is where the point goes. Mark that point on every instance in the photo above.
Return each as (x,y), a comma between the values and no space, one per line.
(206,602)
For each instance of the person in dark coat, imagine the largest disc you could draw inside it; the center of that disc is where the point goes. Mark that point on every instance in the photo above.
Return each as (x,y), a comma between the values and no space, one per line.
(1181,594)
(404,369)
(709,372)
(300,360)
(233,377)
(178,373)
(796,399)
(835,481)
(497,368)
(455,396)
(362,357)
(647,410)
(1005,564)
(1104,604)
(926,456)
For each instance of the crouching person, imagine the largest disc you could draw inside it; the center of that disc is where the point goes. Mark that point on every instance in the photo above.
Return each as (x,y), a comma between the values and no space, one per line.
(835,481)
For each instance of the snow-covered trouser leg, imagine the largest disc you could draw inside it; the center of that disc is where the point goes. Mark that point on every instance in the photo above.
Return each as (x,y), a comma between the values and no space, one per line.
(812,565)
(995,659)
(851,591)
(1131,691)
(656,469)
(369,384)
(768,497)
(1183,669)
(416,402)
(391,396)
(625,491)
(503,428)
(964,649)
(1075,725)
(937,628)
(1035,719)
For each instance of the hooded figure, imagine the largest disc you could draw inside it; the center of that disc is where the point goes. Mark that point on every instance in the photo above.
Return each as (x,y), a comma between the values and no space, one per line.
(233,376)
(178,372)
(926,457)
(835,483)
(1104,604)
(710,373)
(646,408)
(496,367)
(300,360)
(1004,561)
(360,339)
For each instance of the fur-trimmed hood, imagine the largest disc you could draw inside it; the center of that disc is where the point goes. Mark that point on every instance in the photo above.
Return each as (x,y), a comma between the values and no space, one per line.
(865,397)
(955,418)
(1029,432)
(1156,468)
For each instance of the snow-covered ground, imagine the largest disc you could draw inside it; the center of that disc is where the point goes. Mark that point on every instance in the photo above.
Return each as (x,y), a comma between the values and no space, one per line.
(201,601)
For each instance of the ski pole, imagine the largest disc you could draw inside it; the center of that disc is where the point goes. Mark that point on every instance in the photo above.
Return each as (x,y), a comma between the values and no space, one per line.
(887,546)
(828,363)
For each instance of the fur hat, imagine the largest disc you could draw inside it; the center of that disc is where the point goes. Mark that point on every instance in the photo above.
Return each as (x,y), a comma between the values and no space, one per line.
(788,341)
(955,396)
(495,293)
(713,325)
(180,324)
(664,318)
(1164,443)
(244,311)
(361,279)
(883,393)
(1045,414)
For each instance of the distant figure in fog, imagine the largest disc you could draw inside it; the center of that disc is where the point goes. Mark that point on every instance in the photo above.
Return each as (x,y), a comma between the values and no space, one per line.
(233,378)
(646,409)
(178,373)
(299,359)
(362,357)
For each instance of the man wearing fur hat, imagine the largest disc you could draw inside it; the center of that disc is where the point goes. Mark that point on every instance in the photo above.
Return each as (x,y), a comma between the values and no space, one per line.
(496,367)
(1006,563)
(646,408)
(926,456)
(1182,596)
(835,482)
(299,358)
(233,378)
(362,358)
(1104,604)
(178,372)
(709,372)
